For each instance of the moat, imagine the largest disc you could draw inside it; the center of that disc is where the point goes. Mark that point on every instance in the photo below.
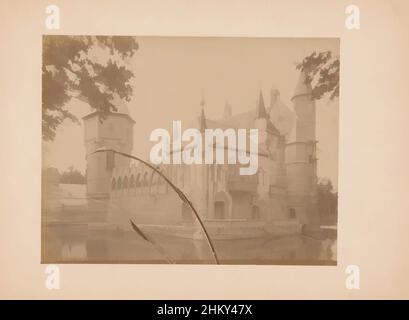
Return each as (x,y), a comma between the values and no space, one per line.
(78,243)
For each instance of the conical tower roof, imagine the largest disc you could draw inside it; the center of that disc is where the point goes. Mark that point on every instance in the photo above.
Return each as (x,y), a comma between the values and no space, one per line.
(261,109)
(122,109)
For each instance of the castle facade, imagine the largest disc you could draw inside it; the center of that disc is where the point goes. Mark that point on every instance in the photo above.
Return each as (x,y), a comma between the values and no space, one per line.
(278,199)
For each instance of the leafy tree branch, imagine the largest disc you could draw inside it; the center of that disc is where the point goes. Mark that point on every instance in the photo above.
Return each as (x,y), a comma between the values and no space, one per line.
(70,70)
(322,71)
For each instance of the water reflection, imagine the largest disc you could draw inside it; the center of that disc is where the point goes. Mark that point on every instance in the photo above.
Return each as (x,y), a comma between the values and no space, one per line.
(78,243)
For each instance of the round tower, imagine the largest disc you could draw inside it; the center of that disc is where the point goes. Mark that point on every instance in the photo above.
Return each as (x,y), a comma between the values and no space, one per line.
(114,132)
(300,156)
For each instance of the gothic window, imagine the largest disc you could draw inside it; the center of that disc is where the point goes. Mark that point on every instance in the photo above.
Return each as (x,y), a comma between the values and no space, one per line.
(119,186)
(125,185)
(132,182)
(113,185)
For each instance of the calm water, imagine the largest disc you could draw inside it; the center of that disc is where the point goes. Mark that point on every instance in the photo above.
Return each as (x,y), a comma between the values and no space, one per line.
(76,243)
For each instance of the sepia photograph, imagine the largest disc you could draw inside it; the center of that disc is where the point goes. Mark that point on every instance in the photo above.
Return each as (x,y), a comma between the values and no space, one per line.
(189,150)
(204,158)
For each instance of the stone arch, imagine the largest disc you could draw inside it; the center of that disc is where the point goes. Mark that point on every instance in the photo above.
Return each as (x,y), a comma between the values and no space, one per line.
(255,213)
(132,181)
(186,212)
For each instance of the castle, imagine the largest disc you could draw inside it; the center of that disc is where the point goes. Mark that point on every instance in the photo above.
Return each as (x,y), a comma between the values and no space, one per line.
(278,199)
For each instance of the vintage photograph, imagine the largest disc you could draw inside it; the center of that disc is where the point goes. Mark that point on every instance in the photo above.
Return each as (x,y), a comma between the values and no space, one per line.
(190,150)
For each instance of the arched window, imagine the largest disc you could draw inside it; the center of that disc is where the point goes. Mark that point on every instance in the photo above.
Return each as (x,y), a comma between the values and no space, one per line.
(125,185)
(273,156)
(145,179)
(261,174)
(132,182)
(292,213)
(138,180)
(119,185)
(154,178)
(113,184)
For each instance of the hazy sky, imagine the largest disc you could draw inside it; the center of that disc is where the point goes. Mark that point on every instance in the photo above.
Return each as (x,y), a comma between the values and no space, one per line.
(171,74)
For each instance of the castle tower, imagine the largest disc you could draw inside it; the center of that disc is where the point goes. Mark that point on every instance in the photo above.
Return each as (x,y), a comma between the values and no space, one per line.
(270,184)
(300,156)
(114,132)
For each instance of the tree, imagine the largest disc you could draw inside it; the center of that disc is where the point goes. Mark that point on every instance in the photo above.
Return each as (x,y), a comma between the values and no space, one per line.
(322,71)
(327,199)
(69,70)
(72,176)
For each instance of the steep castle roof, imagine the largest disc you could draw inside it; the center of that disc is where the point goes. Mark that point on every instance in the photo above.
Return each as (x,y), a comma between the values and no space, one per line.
(244,120)
(282,116)
(261,109)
